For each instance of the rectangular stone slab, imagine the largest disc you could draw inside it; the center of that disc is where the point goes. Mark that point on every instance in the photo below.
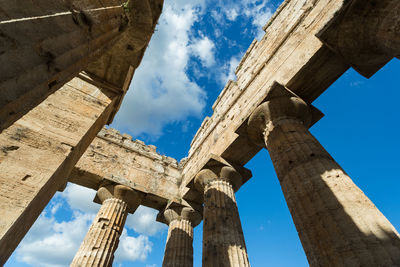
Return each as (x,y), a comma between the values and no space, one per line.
(38,152)
(118,158)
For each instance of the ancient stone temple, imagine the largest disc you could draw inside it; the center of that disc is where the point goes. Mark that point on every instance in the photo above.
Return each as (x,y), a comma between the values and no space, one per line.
(64,83)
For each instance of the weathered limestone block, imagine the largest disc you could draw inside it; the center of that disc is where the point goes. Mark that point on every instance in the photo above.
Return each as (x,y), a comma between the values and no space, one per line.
(129,48)
(46,44)
(179,246)
(39,151)
(366,33)
(118,158)
(101,241)
(337,224)
(223,240)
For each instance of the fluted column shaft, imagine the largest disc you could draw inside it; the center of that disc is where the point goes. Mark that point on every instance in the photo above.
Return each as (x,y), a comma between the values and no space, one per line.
(223,240)
(179,247)
(102,239)
(337,224)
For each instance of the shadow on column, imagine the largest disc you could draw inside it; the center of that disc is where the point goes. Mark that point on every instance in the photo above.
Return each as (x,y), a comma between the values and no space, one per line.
(340,227)
(223,241)
(178,250)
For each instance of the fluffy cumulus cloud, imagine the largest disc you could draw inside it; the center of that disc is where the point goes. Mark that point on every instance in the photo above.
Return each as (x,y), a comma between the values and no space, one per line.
(52,242)
(161,91)
(143,221)
(204,50)
(133,248)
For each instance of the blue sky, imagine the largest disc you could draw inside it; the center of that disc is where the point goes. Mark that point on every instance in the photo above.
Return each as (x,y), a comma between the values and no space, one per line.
(194,51)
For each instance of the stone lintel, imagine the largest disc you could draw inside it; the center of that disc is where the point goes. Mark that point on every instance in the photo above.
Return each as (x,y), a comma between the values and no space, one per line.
(365,33)
(150,200)
(116,158)
(141,19)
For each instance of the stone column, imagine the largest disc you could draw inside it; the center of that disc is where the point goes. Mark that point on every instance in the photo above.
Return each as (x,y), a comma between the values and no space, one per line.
(102,239)
(337,224)
(223,240)
(179,247)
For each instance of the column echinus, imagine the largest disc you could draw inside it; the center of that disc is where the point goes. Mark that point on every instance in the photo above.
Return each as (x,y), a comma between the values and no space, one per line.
(101,241)
(179,247)
(337,224)
(223,240)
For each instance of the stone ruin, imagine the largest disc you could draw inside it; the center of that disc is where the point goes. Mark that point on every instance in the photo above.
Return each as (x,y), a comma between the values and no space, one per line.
(69,65)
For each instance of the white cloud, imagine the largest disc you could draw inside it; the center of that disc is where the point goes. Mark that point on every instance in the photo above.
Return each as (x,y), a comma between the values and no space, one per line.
(52,243)
(258,12)
(231,14)
(204,49)
(81,198)
(228,70)
(161,91)
(133,248)
(143,221)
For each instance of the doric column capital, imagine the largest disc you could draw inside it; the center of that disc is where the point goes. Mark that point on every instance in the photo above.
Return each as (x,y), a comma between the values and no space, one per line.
(281,104)
(182,213)
(223,173)
(132,197)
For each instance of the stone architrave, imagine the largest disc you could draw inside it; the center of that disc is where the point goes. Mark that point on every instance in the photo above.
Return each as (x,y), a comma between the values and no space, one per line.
(223,240)
(179,246)
(337,224)
(39,151)
(101,241)
(365,33)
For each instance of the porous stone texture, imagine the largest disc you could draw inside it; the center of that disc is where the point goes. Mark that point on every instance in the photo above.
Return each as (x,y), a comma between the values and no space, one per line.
(337,224)
(118,158)
(223,240)
(179,246)
(45,44)
(377,27)
(39,151)
(48,43)
(102,239)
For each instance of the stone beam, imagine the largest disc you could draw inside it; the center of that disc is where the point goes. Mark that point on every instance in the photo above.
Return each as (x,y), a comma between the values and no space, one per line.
(46,43)
(366,34)
(39,151)
(117,158)
(291,54)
